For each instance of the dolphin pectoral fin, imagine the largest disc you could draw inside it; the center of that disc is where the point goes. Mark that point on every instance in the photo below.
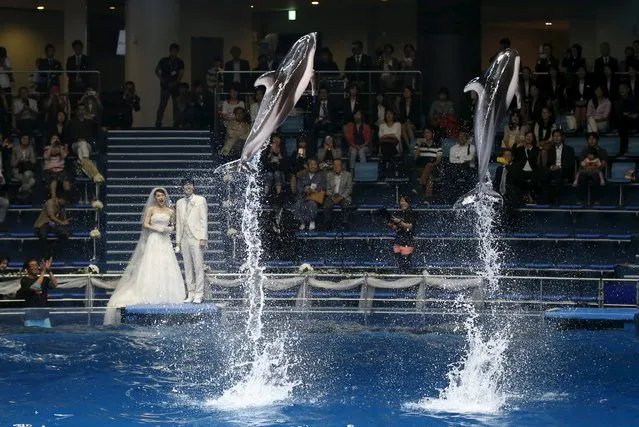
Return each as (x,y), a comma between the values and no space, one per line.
(266,79)
(477,194)
(475,85)
(234,166)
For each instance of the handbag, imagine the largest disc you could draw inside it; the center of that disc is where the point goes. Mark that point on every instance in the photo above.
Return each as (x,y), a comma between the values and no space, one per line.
(317,196)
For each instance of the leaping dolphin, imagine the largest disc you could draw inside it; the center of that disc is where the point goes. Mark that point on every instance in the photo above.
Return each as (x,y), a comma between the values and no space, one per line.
(284,87)
(496,90)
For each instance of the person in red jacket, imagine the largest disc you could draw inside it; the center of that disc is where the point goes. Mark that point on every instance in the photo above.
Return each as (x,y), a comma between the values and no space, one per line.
(358,135)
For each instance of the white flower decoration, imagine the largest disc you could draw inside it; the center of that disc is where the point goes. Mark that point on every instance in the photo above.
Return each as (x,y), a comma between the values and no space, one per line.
(98,179)
(95,233)
(227,178)
(97,205)
(226,204)
(93,269)
(231,232)
(305,268)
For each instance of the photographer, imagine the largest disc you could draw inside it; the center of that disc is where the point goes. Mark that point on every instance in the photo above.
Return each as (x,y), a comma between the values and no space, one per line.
(93,106)
(34,288)
(129,102)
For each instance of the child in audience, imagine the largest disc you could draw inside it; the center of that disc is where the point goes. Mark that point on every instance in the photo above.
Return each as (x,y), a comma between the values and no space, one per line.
(592,166)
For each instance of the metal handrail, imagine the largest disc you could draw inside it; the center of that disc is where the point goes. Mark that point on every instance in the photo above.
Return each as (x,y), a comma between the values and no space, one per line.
(64,79)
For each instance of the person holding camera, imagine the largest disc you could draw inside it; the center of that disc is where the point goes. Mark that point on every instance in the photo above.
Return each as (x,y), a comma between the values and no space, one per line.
(403,222)
(170,71)
(34,289)
(25,111)
(129,102)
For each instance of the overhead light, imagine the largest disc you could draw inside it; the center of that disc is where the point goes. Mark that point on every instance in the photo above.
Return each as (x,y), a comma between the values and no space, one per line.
(40,7)
(292,15)
(111,7)
(314,3)
(548,24)
(251,6)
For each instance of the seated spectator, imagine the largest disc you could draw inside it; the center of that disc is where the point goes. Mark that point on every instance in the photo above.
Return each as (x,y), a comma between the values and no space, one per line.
(578,95)
(428,155)
(525,82)
(409,116)
(632,81)
(629,59)
(463,152)
(610,82)
(256,102)
(533,106)
(34,289)
(53,104)
(555,91)
(324,116)
(53,219)
(626,116)
(128,103)
(202,107)
(514,132)
(598,113)
(181,115)
(5,154)
(328,154)
(380,109)
(556,168)
(461,164)
(274,165)
(467,109)
(228,106)
(525,158)
(339,188)
(543,130)
(23,161)
(278,233)
(61,129)
(441,109)
(573,61)
(591,175)
(590,167)
(54,172)
(237,131)
(352,103)
(408,64)
(388,63)
(325,65)
(214,76)
(358,136)
(310,195)
(4,208)
(505,183)
(298,161)
(93,106)
(82,126)
(4,264)
(390,136)
(403,222)
(25,112)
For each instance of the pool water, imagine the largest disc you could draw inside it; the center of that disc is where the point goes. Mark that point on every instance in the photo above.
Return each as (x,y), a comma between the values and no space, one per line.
(164,375)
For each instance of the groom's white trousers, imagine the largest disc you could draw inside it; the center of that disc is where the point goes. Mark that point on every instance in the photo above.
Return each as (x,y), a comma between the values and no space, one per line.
(193,264)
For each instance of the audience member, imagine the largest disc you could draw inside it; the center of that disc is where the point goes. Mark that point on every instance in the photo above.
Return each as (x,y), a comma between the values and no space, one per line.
(357,66)
(390,136)
(610,82)
(525,157)
(555,91)
(328,154)
(428,155)
(544,127)
(558,167)
(591,174)
(310,195)
(256,102)
(229,106)
(590,167)
(324,65)
(6,76)
(409,67)
(351,104)
(514,132)
(525,82)
(573,61)
(170,71)
(278,233)
(546,59)
(626,116)
(4,208)
(184,102)
(93,106)
(380,109)
(128,103)
(324,116)
(298,161)
(237,131)
(628,59)
(34,289)
(53,219)
(25,112)
(214,79)
(631,81)
(54,171)
(505,183)
(403,222)
(274,164)
(339,189)
(358,136)
(598,112)
(49,70)
(61,129)
(389,65)
(202,107)
(409,116)
(23,161)
(461,168)
(578,96)
(53,104)
(79,79)
(534,105)
(441,108)
(82,127)
(236,71)
(605,60)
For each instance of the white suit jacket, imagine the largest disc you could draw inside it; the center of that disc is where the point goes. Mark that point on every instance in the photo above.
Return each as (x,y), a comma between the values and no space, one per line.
(197,221)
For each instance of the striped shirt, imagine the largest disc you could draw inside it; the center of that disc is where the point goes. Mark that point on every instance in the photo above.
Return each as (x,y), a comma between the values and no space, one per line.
(428,154)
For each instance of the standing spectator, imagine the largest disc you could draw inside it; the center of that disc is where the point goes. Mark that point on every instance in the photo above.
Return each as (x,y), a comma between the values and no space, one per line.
(357,66)
(34,288)
(428,155)
(79,79)
(170,71)
(626,116)
(526,158)
(129,102)
(390,137)
(358,136)
(25,112)
(275,166)
(558,167)
(328,154)
(403,222)
(49,70)
(6,81)
(236,71)
(54,171)
(92,106)
(324,116)
(339,189)
(409,68)
(605,60)
(325,65)
(578,96)
(598,112)
(214,76)
(53,219)
(610,82)
(351,104)
(310,195)
(410,117)
(23,161)
(573,61)
(546,59)
(629,59)
(514,132)
(505,183)
(389,65)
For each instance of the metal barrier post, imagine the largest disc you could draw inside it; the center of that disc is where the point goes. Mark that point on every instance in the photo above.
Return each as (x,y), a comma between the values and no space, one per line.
(600,297)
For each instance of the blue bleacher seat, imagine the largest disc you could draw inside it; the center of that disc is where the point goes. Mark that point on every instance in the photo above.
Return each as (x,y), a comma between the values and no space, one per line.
(578,143)
(447,143)
(290,144)
(610,144)
(293,124)
(618,170)
(633,146)
(366,172)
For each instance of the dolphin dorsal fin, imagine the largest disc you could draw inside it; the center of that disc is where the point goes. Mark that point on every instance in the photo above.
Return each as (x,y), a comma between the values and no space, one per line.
(267,79)
(475,85)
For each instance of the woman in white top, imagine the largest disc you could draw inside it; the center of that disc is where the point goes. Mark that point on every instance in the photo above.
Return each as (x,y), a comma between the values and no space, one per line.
(229,106)
(544,127)
(514,132)
(390,135)
(598,112)
(257,100)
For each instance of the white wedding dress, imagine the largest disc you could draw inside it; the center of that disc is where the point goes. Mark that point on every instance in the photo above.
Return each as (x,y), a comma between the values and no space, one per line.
(153,275)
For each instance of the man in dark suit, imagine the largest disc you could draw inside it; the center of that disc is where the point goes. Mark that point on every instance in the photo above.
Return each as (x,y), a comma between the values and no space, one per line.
(49,70)
(505,183)
(231,68)
(170,71)
(78,82)
(556,168)
(626,110)
(357,66)
(323,116)
(605,59)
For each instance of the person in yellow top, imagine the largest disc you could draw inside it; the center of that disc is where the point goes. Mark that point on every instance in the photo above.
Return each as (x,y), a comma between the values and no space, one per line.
(53,219)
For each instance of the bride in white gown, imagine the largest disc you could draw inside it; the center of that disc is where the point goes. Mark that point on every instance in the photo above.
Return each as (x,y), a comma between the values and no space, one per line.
(153,275)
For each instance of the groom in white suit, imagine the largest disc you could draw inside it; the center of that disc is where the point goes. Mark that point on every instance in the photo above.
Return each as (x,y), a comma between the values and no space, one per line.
(191,224)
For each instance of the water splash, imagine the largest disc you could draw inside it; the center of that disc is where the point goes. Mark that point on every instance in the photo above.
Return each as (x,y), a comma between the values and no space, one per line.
(262,363)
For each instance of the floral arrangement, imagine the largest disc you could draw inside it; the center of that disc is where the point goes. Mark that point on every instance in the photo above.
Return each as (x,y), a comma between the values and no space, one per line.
(231,232)
(305,268)
(97,205)
(227,178)
(95,233)
(98,178)
(93,269)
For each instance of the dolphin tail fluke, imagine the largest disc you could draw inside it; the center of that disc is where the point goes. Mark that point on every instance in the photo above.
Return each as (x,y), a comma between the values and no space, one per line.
(234,166)
(481,193)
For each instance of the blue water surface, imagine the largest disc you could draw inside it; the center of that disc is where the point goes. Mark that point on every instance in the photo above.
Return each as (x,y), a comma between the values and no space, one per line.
(162,375)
